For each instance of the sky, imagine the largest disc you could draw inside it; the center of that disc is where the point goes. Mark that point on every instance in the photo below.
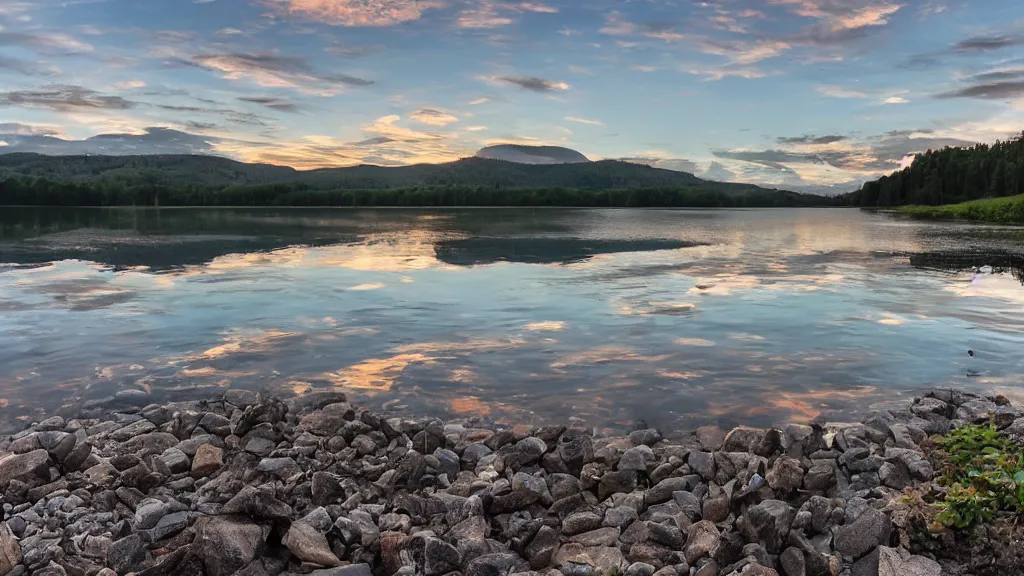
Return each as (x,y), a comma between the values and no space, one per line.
(814,95)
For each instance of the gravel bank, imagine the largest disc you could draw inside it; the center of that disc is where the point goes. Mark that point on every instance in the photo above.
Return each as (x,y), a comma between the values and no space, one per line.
(251,486)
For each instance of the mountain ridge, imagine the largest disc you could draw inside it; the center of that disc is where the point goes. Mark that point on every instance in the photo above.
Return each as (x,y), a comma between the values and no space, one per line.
(178,169)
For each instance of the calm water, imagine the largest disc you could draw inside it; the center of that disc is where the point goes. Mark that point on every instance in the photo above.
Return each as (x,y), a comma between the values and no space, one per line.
(678,318)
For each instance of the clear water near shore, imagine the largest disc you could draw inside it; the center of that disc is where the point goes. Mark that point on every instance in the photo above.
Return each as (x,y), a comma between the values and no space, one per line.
(605,317)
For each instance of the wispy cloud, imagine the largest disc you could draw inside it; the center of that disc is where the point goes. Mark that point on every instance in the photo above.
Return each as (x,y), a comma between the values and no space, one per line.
(48,43)
(531,83)
(273,70)
(433,117)
(64,98)
(272,103)
(840,92)
(357,12)
(579,120)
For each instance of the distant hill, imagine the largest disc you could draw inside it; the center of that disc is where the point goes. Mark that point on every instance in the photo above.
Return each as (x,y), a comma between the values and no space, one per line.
(532,154)
(178,170)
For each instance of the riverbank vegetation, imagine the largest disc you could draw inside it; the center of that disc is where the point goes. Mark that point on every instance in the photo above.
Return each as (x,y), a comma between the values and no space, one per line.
(1008,210)
(32,191)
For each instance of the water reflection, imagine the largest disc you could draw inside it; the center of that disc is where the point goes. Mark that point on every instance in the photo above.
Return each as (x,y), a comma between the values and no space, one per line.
(600,317)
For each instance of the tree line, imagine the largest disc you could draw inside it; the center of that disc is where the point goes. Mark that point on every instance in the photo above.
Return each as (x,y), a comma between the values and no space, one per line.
(949,176)
(37,191)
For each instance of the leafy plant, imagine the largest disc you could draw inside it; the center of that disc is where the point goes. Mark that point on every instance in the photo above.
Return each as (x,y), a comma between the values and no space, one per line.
(982,474)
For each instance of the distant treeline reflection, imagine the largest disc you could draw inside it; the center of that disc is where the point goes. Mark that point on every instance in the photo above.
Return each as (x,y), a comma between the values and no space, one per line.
(29,191)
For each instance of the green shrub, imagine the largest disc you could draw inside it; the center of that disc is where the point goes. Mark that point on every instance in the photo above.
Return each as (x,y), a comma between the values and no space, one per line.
(982,474)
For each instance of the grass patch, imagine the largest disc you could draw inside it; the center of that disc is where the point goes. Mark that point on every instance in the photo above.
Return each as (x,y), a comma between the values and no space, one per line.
(1008,210)
(982,474)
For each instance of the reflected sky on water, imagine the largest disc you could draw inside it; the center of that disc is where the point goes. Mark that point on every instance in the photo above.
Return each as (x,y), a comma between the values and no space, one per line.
(678,318)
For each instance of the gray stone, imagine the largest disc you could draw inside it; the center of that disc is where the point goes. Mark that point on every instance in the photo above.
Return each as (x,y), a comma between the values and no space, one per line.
(616,482)
(227,544)
(870,530)
(176,460)
(542,548)
(703,539)
(127,554)
(640,569)
(580,522)
(24,466)
(662,491)
(768,523)
(620,516)
(309,545)
(257,503)
(10,550)
(646,437)
(688,503)
(639,458)
(439,557)
(498,564)
(786,475)
(821,477)
(703,463)
(792,562)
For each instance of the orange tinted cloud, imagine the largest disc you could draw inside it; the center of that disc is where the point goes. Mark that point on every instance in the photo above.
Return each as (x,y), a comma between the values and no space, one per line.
(358,12)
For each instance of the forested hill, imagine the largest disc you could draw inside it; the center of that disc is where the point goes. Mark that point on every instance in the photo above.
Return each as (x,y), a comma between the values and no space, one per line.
(949,176)
(472,172)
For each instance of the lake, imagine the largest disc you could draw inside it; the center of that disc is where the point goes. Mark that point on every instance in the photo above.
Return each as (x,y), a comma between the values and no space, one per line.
(606,318)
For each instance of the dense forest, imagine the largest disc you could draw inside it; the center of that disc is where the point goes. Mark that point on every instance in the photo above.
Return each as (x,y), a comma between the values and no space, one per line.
(949,176)
(33,191)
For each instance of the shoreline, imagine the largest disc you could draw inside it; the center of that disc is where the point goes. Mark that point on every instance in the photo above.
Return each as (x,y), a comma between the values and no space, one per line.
(249,486)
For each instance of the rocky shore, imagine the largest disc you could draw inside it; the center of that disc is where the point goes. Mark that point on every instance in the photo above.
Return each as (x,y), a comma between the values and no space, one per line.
(252,486)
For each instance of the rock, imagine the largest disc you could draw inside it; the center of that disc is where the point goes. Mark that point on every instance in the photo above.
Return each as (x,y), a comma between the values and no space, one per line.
(599,537)
(127,554)
(57,444)
(226,544)
(792,562)
(309,545)
(638,459)
(821,477)
(645,437)
(170,525)
(640,569)
(703,463)
(176,460)
(702,540)
(10,550)
(580,522)
(616,482)
(892,476)
(885,561)
(870,530)
(688,503)
(663,491)
(916,464)
(24,466)
(439,557)
(542,548)
(786,475)
(257,503)
(742,439)
(137,428)
(208,459)
(621,516)
(498,564)
(768,523)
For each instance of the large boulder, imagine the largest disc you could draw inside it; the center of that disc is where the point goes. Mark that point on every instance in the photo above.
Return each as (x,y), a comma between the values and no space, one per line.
(24,467)
(768,523)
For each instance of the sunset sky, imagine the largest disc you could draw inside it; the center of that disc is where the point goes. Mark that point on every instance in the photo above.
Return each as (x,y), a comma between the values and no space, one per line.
(805,94)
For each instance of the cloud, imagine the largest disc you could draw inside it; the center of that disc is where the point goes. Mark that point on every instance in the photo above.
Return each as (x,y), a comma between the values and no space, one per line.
(840,92)
(745,52)
(150,141)
(273,70)
(829,139)
(229,32)
(485,15)
(364,13)
(24,67)
(531,83)
(662,160)
(717,73)
(895,100)
(475,128)
(272,103)
(64,98)
(48,44)
(617,25)
(386,143)
(433,117)
(1000,84)
(991,91)
(353,51)
(986,43)
(479,101)
(583,121)
(130,85)
(19,129)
